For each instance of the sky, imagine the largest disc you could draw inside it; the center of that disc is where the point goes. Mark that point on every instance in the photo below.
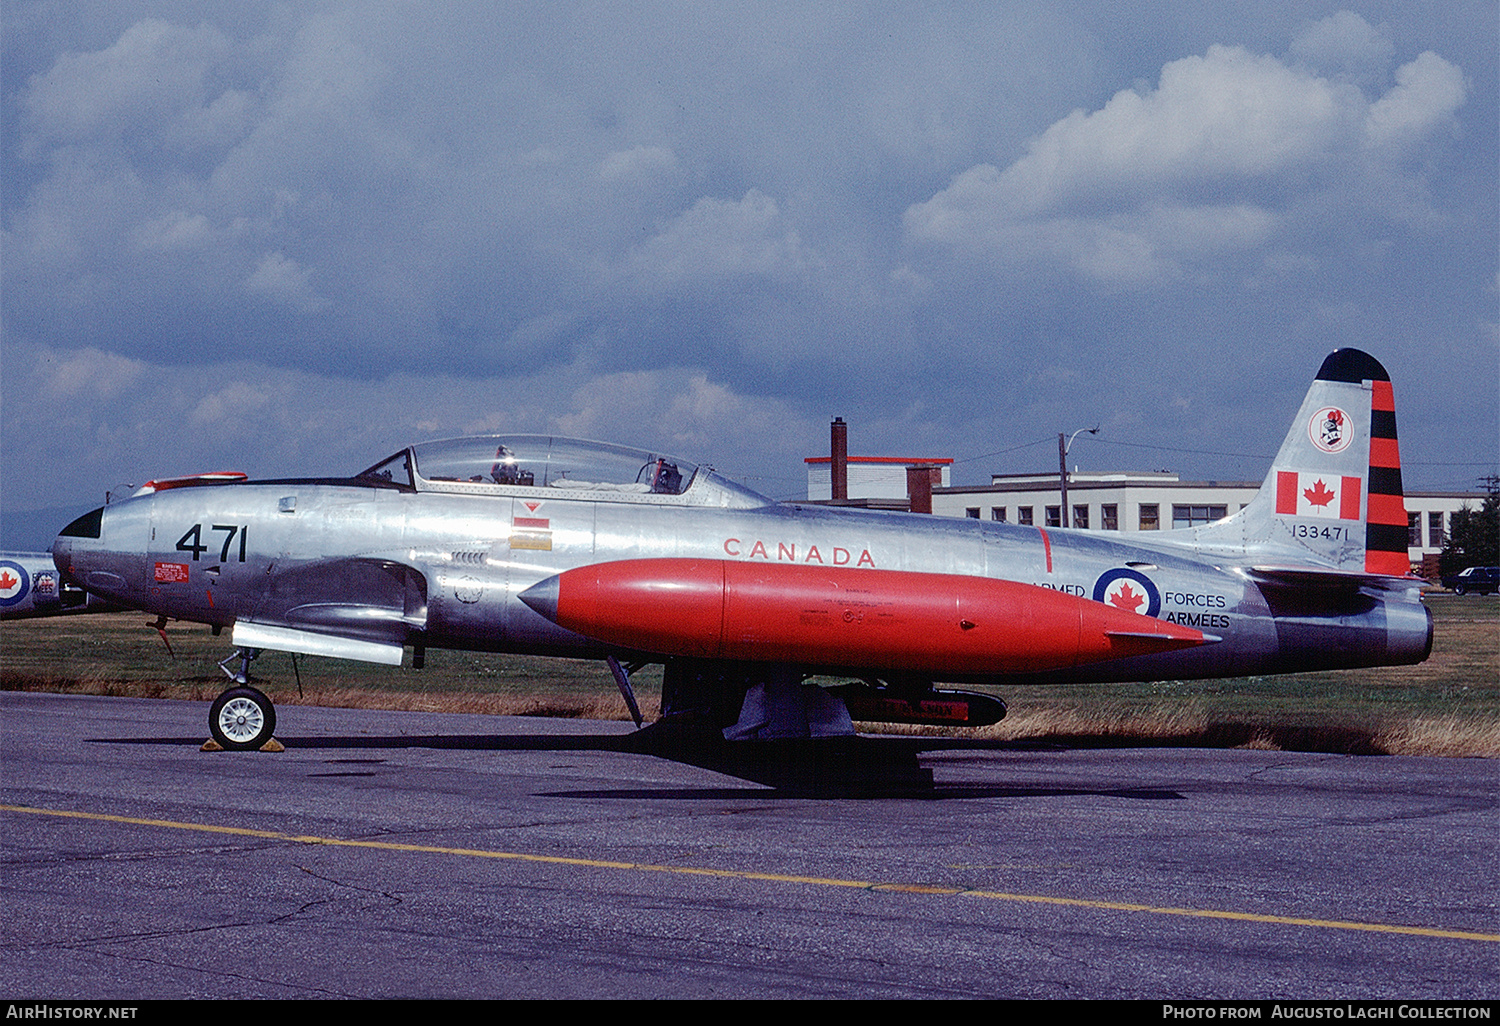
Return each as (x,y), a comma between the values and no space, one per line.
(289,238)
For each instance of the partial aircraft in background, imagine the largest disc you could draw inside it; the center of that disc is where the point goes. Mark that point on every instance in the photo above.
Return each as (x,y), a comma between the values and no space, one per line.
(552,546)
(31,585)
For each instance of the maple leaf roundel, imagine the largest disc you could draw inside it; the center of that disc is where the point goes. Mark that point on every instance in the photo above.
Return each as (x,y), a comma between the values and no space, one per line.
(15,582)
(1129,590)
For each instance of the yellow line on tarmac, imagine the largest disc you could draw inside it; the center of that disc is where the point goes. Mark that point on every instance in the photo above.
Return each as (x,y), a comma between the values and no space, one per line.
(741,874)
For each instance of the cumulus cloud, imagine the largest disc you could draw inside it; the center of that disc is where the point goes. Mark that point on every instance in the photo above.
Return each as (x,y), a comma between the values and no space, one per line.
(685,411)
(719,240)
(157,79)
(1344,46)
(638,162)
(680,225)
(271,422)
(230,405)
(69,375)
(278,277)
(1215,158)
(600,403)
(698,414)
(1427,93)
(176,229)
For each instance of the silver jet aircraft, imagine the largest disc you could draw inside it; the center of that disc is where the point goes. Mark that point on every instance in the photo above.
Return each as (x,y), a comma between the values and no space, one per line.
(553,546)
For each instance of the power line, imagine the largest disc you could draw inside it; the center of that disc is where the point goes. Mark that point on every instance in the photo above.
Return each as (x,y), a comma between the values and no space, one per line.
(1263,456)
(1170,448)
(1002,452)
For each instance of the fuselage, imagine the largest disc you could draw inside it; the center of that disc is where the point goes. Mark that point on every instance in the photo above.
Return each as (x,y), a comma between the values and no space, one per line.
(442,563)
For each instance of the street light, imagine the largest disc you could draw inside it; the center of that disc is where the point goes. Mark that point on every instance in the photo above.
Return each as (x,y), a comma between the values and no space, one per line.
(1062,465)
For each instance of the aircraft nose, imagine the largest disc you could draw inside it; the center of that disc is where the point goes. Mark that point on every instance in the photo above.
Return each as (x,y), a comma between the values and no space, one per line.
(88,526)
(104,551)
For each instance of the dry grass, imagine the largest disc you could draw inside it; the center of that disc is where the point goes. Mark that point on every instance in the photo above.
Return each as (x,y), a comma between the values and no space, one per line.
(1444,737)
(1448,736)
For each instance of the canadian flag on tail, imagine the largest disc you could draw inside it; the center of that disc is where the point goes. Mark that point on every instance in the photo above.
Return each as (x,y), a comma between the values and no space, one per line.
(1312,494)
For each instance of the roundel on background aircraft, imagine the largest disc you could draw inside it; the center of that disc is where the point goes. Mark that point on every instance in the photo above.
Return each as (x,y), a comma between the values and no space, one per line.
(1129,590)
(15,582)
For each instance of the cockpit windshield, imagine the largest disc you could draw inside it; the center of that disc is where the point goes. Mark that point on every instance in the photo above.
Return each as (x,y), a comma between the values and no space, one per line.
(596,471)
(396,470)
(541,461)
(535,461)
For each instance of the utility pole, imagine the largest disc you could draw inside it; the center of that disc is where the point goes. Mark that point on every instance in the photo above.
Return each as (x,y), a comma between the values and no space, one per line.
(1062,476)
(1062,467)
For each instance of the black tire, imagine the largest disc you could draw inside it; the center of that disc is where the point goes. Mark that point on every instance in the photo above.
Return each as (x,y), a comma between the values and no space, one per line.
(242,719)
(1459,589)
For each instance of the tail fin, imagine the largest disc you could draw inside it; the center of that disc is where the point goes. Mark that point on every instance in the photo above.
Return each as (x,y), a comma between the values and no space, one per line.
(1333,496)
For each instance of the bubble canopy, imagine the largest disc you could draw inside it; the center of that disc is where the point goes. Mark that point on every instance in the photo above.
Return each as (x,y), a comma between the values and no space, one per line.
(490,463)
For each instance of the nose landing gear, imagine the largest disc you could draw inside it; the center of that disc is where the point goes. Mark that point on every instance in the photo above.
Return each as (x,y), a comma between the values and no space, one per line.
(242,718)
(244,655)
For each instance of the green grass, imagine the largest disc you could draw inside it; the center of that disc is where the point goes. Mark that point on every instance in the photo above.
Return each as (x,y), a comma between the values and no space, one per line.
(1449,705)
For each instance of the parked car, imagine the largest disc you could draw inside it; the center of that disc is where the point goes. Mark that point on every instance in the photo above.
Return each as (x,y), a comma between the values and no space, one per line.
(1483,579)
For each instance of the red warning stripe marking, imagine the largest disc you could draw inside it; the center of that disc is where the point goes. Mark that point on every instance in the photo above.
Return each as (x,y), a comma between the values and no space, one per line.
(1387,509)
(1394,564)
(1047,548)
(1382,397)
(1384,452)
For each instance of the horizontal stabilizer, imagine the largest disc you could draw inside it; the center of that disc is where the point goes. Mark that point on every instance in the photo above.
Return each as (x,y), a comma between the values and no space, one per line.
(289,639)
(1312,577)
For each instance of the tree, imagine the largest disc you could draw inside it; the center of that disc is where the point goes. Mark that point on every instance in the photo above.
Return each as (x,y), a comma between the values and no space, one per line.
(1474,535)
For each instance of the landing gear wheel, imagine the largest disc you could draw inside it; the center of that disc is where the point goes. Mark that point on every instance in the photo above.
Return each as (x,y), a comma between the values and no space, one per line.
(242,719)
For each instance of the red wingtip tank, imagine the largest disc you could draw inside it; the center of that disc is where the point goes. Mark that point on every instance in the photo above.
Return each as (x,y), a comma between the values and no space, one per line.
(900,622)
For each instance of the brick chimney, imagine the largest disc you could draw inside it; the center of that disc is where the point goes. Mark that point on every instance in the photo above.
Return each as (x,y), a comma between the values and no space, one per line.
(838,440)
(919,488)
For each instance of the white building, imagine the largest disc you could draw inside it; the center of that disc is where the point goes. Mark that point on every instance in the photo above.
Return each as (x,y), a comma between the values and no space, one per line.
(870,477)
(1133,501)
(1158,501)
